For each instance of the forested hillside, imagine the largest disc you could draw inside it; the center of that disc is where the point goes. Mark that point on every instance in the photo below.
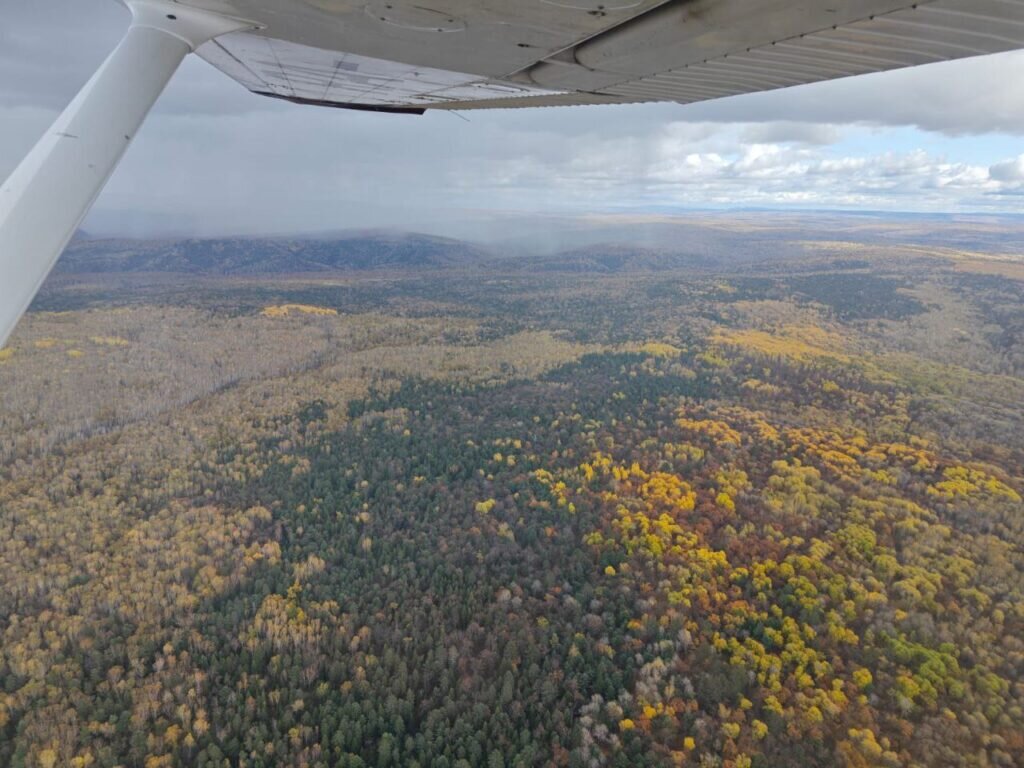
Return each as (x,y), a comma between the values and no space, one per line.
(252,255)
(763,518)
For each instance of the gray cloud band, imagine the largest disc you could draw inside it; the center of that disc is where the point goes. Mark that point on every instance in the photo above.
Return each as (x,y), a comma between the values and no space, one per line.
(308,169)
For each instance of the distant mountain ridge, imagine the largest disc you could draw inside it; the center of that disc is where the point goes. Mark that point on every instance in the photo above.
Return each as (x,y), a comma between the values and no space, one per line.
(605,250)
(252,256)
(354,251)
(609,258)
(594,245)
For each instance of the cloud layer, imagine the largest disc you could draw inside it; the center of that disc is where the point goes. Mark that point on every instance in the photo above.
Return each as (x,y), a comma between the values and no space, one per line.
(215,159)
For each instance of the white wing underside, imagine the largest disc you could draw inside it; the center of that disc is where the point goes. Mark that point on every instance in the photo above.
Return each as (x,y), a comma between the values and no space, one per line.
(410,55)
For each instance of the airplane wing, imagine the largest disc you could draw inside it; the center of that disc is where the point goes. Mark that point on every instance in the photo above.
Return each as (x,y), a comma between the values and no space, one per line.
(408,56)
(413,55)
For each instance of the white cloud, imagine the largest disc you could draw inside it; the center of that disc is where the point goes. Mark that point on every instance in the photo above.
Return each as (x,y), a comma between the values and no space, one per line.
(1008,170)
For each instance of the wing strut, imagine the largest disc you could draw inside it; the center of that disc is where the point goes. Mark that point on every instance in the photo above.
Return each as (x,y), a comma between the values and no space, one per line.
(44,200)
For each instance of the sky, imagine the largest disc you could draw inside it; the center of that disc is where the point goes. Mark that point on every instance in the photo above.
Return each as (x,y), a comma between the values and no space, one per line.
(214,159)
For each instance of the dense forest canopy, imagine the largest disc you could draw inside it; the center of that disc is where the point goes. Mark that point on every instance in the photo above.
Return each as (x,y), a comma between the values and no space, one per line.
(760,516)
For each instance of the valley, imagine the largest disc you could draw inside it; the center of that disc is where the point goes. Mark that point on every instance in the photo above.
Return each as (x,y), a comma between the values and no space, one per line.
(742,493)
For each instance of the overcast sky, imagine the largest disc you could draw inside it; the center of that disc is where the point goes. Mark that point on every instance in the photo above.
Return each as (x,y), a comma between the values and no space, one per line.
(214,159)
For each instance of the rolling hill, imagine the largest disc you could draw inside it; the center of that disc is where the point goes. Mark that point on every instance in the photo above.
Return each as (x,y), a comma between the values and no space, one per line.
(251,256)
